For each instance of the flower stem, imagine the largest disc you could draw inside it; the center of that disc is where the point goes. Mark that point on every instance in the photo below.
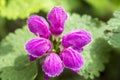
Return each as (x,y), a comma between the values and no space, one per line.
(40,74)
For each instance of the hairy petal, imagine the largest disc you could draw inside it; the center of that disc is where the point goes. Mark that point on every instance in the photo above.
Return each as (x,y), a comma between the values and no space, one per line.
(37,47)
(72,59)
(38,26)
(57,17)
(76,39)
(52,65)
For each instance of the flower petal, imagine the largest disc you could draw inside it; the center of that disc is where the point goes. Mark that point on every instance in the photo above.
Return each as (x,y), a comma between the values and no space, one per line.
(57,17)
(38,26)
(38,46)
(52,65)
(72,59)
(76,39)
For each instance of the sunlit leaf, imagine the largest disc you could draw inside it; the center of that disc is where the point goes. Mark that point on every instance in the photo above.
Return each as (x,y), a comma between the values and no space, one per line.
(97,52)
(113,30)
(14,61)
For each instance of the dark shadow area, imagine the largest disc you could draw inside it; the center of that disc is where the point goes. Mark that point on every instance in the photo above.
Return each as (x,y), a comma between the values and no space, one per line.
(12,25)
(112,70)
(69,75)
(88,9)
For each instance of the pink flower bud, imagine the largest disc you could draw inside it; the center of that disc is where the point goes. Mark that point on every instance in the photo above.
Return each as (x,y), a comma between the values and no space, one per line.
(72,59)
(57,17)
(76,39)
(52,65)
(37,47)
(38,26)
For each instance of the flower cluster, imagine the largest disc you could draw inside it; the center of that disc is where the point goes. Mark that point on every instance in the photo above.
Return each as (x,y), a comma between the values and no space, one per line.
(59,53)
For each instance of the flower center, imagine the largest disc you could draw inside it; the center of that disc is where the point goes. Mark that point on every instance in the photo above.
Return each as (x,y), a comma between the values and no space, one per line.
(56,44)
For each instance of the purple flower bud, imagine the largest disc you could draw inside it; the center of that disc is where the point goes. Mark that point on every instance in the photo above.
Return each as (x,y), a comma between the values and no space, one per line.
(76,39)
(32,58)
(72,59)
(46,77)
(52,65)
(37,47)
(57,17)
(38,26)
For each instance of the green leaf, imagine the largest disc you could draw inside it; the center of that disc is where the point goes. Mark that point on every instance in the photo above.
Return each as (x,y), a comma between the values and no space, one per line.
(97,52)
(14,9)
(2,4)
(23,8)
(14,61)
(112,31)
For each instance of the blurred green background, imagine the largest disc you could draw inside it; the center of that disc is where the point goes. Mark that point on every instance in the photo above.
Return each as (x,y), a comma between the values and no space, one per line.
(14,13)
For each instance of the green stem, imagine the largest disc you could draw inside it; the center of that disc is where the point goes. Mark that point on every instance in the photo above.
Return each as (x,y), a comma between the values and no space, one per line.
(40,74)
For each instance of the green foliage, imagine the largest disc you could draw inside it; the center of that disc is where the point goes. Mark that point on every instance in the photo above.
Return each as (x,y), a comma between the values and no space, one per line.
(104,6)
(113,30)
(14,62)
(14,9)
(2,4)
(96,53)
(69,5)
(23,8)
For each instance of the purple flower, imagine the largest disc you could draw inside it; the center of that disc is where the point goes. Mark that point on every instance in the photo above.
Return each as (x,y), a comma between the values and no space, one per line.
(37,47)
(39,26)
(72,59)
(52,65)
(57,17)
(76,39)
(72,43)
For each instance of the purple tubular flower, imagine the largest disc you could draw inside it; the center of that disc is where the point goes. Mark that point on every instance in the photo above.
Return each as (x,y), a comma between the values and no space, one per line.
(38,26)
(72,59)
(52,65)
(37,47)
(57,17)
(76,39)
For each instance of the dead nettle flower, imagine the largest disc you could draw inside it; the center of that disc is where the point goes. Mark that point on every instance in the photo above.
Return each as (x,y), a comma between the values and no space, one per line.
(72,43)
